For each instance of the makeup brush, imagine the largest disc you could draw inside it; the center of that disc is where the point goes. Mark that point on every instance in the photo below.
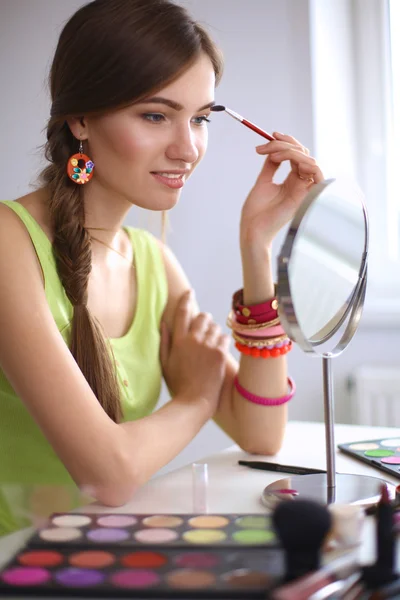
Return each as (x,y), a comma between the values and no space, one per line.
(383,572)
(249,124)
(302,527)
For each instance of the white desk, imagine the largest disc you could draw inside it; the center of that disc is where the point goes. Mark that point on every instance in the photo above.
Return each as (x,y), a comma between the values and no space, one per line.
(236,489)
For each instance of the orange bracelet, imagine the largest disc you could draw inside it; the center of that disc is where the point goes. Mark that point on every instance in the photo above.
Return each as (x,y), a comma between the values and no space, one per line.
(264,352)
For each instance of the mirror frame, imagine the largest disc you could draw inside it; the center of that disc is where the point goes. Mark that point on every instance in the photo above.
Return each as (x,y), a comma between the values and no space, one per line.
(352,308)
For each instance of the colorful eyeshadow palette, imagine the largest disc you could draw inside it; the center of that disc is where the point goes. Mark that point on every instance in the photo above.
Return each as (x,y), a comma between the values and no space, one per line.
(81,530)
(115,572)
(146,562)
(382,454)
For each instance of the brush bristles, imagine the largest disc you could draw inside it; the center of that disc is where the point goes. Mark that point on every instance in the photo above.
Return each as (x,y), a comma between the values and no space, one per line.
(218,108)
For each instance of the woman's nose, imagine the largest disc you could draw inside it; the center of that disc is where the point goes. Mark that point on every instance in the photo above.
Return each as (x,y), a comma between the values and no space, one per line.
(183,146)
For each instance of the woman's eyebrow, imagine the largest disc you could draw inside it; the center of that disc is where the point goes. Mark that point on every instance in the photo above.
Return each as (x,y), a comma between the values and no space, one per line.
(172,103)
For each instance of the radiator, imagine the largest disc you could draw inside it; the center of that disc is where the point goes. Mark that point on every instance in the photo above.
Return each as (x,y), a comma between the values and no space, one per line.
(374,393)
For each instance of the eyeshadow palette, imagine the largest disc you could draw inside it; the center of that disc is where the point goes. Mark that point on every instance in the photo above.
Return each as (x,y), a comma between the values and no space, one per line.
(147,556)
(383,454)
(153,572)
(81,530)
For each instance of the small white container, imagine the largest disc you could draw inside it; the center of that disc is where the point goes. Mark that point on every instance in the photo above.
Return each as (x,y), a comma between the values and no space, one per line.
(347,526)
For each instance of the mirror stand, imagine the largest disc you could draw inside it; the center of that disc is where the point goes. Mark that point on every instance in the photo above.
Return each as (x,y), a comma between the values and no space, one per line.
(341,488)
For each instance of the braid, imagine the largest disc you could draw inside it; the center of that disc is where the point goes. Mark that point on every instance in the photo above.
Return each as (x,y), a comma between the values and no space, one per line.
(72,250)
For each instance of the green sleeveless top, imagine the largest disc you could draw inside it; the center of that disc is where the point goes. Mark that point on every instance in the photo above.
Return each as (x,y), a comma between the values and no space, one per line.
(26,455)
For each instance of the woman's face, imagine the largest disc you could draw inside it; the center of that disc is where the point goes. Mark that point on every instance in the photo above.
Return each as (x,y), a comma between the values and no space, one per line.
(146,152)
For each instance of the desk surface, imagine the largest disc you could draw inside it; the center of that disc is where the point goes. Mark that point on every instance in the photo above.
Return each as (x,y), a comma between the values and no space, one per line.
(235,489)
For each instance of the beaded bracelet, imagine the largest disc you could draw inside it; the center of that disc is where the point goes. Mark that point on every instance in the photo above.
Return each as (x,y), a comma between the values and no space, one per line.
(233,323)
(265,401)
(260,342)
(264,352)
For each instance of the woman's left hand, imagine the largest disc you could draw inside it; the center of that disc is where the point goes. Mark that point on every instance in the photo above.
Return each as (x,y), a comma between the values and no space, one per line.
(269,206)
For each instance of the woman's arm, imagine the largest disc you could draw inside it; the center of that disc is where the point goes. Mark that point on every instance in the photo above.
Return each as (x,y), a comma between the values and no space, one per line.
(256,428)
(109,459)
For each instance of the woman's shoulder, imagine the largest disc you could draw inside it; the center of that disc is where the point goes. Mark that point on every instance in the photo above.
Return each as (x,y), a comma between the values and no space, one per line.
(31,207)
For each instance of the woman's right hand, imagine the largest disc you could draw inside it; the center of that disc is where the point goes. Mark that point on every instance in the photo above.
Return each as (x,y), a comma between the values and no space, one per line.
(193,356)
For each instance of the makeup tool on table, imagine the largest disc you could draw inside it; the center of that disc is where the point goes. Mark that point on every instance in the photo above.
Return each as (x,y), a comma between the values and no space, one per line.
(166,555)
(147,556)
(382,454)
(274,467)
(383,571)
(303,528)
(249,124)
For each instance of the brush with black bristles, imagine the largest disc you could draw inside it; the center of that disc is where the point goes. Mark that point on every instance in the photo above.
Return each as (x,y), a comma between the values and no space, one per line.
(249,124)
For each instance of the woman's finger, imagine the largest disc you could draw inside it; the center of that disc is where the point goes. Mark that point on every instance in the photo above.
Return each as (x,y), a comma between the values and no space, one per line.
(200,325)
(307,171)
(291,140)
(182,317)
(295,156)
(224,342)
(277,147)
(212,334)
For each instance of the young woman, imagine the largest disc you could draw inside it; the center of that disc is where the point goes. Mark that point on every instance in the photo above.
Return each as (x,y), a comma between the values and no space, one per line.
(93,314)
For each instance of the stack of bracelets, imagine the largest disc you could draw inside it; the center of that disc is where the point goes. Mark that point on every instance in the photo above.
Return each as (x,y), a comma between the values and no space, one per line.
(257,332)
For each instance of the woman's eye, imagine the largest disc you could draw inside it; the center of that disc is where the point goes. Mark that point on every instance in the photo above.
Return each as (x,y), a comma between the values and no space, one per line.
(201,120)
(153,117)
(159,117)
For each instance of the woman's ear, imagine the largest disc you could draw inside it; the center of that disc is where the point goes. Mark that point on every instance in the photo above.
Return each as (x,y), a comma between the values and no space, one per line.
(78,127)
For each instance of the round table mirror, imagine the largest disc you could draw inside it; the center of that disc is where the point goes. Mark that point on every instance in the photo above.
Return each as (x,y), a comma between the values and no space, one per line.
(322,276)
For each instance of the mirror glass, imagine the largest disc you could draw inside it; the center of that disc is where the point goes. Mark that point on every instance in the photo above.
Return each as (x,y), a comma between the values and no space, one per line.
(328,246)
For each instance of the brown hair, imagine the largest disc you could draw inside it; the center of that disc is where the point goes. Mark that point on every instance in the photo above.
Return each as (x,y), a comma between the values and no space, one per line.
(110,54)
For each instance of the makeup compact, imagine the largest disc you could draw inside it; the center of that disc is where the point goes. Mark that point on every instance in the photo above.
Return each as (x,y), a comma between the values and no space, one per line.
(147,556)
(382,454)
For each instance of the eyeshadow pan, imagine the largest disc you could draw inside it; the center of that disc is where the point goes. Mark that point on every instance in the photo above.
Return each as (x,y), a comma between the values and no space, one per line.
(253,522)
(364,446)
(391,460)
(156,536)
(92,559)
(40,558)
(162,521)
(245,578)
(253,536)
(116,521)
(209,521)
(21,576)
(73,577)
(139,578)
(392,442)
(197,560)
(190,579)
(71,520)
(107,535)
(204,536)
(144,559)
(60,534)
(379,453)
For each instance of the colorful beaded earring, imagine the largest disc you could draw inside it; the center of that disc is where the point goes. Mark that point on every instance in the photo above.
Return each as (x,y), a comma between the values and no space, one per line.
(80,167)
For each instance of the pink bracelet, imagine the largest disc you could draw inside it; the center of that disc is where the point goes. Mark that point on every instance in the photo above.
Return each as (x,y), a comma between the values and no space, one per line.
(265,332)
(265,401)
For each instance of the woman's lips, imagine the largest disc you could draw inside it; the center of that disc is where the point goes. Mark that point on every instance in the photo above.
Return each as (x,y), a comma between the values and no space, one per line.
(174,182)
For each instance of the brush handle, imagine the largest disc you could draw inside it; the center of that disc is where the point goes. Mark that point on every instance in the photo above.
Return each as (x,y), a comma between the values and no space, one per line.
(264,134)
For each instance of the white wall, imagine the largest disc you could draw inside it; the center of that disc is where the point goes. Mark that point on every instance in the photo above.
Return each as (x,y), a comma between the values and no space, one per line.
(268,80)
